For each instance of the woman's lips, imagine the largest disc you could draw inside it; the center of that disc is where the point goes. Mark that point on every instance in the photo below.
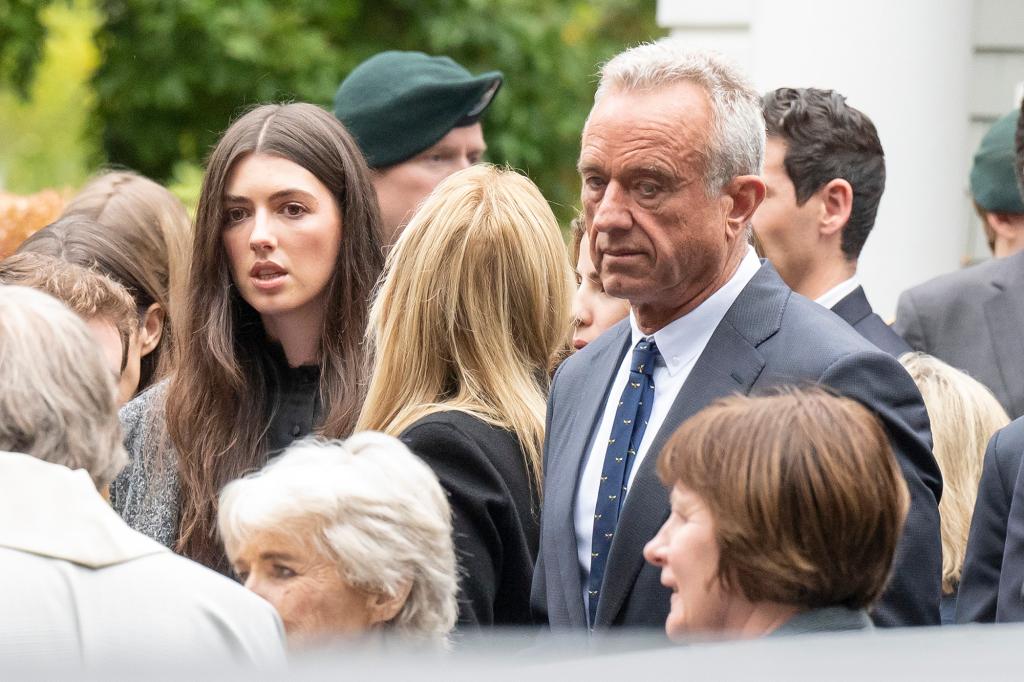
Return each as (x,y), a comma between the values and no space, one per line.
(267,275)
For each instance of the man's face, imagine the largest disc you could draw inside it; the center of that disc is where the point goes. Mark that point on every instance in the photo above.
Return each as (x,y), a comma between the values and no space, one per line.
(788,232)
(401,188)
(655,236)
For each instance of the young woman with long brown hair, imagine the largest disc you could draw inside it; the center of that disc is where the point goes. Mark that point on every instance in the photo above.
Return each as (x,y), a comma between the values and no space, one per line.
(472,311)
(269,349)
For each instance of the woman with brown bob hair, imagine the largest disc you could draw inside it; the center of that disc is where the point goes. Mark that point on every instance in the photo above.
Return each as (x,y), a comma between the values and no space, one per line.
(786,512)
(472,310)
(269,345)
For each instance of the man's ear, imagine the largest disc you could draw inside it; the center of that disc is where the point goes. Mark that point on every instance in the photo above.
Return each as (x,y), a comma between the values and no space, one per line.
(836,204)
(1001,225)
(151,329)
(747,193)
(383,608)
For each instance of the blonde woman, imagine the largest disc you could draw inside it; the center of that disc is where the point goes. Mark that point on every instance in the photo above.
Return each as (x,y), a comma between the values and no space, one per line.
(964,415)
(472,310)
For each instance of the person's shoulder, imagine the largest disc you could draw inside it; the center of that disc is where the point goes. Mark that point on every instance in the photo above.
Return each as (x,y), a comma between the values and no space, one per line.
(145,407)
(822,336)
(189,584)
(957,284)
(1009,440)
(458,432)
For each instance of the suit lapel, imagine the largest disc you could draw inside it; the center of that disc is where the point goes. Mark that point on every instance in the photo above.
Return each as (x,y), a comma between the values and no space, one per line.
(590,390)
(729,364)
(1005,319)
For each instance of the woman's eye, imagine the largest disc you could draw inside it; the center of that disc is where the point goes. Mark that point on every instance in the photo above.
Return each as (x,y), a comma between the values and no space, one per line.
(283,572)
(294,210)
(242,575)
(235,214)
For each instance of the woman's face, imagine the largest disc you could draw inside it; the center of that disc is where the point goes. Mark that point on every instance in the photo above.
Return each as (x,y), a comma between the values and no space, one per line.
(594,311)
(687,552)
(306,588)
(282,233)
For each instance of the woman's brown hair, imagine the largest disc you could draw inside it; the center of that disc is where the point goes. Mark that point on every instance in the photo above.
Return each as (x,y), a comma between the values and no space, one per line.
(127,256)
(219,399)
(807,499)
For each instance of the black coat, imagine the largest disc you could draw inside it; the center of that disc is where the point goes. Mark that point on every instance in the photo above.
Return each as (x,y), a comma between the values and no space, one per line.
(856,311)
(991,580)
(483,470)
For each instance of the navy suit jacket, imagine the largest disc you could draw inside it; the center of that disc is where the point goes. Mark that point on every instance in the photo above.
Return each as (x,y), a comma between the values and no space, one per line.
(769,336)
(993,572)
(856,311)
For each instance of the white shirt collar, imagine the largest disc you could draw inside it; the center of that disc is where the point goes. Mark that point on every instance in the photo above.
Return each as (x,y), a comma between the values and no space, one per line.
(838,292)
(682,340)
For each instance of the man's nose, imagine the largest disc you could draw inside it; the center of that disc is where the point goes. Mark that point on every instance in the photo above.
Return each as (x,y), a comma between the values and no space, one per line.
(612,212)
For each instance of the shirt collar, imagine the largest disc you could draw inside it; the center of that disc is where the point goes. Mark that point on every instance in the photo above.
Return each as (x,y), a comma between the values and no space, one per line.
(682,340)
(838,292)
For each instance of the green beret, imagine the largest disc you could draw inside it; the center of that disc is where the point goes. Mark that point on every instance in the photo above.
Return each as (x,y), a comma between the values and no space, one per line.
(396,104)
(993,180)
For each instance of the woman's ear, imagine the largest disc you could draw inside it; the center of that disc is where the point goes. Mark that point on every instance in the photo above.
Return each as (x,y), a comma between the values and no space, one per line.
(383,608)
(151,330)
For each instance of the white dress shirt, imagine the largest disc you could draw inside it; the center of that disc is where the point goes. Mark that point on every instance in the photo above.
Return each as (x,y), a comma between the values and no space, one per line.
(680,344)
(838,292)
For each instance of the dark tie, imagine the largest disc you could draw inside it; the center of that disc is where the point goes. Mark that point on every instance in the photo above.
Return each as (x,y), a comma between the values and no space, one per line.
(627,431)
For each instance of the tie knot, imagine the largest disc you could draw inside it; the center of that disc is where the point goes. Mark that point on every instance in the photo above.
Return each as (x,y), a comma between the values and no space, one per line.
(644,354)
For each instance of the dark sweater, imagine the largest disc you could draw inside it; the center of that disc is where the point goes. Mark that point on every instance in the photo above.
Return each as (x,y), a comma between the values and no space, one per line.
(483,470)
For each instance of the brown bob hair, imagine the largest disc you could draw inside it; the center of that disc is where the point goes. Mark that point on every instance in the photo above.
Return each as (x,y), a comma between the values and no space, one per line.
(220,398)
(807,499)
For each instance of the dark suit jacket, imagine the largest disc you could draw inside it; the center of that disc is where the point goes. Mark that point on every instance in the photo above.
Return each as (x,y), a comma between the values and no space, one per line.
(769,336)
(483,470)
(974,320)
(855,309)
(982,582)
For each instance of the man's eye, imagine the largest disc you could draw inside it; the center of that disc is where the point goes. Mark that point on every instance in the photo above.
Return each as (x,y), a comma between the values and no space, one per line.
(594,182)
(647,189)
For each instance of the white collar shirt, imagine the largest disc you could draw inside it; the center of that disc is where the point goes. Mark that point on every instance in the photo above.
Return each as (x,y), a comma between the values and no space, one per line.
(680,344)
(838,292)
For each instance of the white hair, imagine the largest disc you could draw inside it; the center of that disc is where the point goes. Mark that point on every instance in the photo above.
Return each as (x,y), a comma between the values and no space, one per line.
(58,402)
(378,512)
(737,138)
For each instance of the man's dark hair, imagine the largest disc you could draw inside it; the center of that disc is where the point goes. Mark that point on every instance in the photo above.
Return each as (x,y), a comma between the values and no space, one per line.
(1019,146)
(827,139)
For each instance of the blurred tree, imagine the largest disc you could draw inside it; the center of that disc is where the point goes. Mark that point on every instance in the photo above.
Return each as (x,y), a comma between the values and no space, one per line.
(173,74)
(44,121)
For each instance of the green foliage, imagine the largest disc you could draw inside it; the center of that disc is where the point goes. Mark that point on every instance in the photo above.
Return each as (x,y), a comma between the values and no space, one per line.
(174,74)
(46,126)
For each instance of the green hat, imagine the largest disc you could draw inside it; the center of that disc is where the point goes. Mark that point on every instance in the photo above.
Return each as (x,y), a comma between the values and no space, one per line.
(396,104)
(993,180)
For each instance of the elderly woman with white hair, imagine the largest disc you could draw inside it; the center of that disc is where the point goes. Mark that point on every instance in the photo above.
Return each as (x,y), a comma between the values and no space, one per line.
(77,585)
(345,539)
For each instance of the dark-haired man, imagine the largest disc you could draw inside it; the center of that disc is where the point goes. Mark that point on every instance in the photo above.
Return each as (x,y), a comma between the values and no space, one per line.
(825,173)
(416,119)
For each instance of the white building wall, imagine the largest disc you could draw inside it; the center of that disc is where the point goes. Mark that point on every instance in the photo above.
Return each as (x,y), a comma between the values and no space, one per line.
(931,75)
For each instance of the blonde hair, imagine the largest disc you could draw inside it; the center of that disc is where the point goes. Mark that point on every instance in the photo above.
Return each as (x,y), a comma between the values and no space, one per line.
(472,310)
(378,512)
(964,415)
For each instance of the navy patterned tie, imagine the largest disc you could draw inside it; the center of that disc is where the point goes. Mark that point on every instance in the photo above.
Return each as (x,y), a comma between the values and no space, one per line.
(627,431)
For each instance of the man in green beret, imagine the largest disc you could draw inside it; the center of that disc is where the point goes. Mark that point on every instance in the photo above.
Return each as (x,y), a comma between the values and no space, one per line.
(417,120)
(973,318)
(994,188)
